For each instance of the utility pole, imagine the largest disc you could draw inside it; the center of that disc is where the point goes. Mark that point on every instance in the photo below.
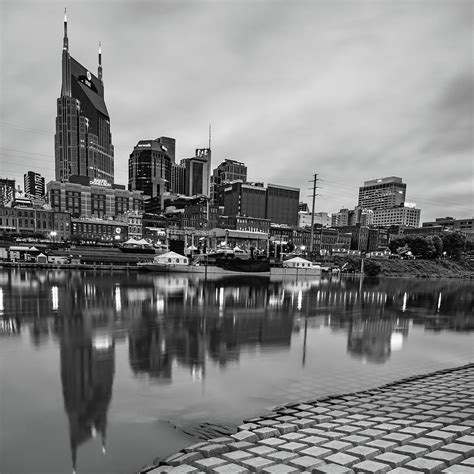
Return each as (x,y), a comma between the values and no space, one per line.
(315,186)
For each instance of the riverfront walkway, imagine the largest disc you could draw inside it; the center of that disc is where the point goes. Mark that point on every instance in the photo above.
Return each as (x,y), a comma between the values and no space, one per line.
(422,424)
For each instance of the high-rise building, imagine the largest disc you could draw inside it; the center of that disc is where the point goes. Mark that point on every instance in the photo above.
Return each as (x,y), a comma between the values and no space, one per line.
(7,190)
(83,142)
(178,178)
(34,184)
(169,146)
(382,193)
(149,168)
(197,172)
(226,172)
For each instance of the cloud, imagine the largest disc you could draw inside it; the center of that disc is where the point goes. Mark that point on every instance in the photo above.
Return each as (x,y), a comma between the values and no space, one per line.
(350,90)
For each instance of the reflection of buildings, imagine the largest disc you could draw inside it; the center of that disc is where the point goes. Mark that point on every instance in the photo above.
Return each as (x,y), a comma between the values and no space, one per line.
(374,339)
(87,373)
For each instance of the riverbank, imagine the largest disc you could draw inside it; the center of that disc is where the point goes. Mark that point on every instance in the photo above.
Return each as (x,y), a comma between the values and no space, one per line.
(417,268)
(421,424)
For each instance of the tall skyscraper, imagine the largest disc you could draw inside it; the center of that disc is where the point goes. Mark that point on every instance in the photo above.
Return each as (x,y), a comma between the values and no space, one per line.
(382,193)
(83,142)
(34,184)
(149,168)
(7,190)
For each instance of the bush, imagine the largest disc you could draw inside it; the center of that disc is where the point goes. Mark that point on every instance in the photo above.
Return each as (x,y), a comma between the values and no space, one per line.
(372,267)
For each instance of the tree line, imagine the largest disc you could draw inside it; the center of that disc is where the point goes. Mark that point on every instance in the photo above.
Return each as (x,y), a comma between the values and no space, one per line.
(448,244)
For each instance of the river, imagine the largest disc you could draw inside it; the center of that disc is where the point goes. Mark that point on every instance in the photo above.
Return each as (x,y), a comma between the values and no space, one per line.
(104,372)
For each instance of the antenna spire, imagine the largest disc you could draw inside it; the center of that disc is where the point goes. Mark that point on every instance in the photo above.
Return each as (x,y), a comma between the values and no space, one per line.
(65,40)
(99,73)
(209,136)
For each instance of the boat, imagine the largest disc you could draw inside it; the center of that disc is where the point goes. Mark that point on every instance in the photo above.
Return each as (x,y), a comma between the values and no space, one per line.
(172,262)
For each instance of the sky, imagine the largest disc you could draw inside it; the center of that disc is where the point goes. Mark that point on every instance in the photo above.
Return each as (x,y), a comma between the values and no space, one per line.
(351,90)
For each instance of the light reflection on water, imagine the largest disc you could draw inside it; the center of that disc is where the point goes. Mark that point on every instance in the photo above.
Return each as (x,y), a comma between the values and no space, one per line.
(98,369)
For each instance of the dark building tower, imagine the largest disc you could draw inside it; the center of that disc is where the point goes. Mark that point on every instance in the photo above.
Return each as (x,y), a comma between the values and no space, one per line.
(34,184)
(226,172)
(83,142)
(149,168)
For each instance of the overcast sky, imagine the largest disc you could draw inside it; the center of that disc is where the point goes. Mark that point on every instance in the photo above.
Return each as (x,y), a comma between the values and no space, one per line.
(351,90)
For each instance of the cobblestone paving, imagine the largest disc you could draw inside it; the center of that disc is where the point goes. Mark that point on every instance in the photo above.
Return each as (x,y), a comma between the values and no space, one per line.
(423,424)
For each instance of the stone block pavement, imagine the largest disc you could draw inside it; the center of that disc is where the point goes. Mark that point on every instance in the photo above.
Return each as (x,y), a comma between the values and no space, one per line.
(422,424)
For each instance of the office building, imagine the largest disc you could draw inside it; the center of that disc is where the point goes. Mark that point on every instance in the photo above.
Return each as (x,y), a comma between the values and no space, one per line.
(85,197)
(83,141)
(277,203)
(197,173)
(282,204)
(34,184)
(382,193)
(450,223)
(169,146)
(226,172)
(245,199)
(149,168)
(7,191)
(178,178)
(405,215)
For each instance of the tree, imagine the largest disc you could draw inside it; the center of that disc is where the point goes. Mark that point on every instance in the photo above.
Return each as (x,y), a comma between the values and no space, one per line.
(372,267)
(454,244)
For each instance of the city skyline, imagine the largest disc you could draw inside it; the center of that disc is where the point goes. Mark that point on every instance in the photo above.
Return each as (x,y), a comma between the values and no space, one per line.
(312,84)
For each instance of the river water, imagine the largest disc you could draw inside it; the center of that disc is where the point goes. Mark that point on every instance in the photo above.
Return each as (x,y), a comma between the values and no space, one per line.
(102,373)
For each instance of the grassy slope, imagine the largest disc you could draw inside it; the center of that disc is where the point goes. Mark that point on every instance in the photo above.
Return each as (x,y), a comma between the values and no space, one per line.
(422,268)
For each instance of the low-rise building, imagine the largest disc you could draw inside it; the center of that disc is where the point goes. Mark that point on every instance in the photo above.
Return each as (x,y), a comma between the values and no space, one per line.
(32,222)
(99,230)
(86,197)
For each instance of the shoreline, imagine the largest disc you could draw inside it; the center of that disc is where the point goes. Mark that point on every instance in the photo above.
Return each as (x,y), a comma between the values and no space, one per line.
(419,422)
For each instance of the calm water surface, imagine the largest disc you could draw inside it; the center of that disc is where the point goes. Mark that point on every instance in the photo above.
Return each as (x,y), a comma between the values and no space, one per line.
(106,372)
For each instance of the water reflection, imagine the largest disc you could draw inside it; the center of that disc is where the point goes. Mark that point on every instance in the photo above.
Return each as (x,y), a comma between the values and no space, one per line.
(180,325)
(87,354)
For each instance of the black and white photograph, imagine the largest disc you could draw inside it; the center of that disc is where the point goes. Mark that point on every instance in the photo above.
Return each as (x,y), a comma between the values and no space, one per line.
(236,236)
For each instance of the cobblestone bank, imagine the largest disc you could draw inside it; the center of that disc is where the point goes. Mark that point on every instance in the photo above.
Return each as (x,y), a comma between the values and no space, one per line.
(422,424)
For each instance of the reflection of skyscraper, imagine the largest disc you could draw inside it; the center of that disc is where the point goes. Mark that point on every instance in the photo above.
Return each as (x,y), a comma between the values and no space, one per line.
(149,350)
(87,373)
(370,339)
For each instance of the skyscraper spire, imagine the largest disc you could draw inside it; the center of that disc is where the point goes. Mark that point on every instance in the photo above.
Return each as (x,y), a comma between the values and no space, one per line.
(65,40)
(99,73)
(66,63)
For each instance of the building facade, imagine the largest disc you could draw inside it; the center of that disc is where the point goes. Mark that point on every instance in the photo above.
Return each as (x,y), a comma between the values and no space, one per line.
(282,204)
(226,172)
(85,197)
(382,193)
(245,199)
(450,223)
(83,141)
(34,184)
(99,230)
(402,215)
(178,178)
(7,190)
(35,222)
(197,173)
(149,168)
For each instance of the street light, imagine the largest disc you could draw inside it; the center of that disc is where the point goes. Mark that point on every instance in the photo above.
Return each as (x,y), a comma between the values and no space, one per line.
(53,234)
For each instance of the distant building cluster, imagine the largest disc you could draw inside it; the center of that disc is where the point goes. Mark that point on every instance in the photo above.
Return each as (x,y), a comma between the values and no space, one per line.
(186,197)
